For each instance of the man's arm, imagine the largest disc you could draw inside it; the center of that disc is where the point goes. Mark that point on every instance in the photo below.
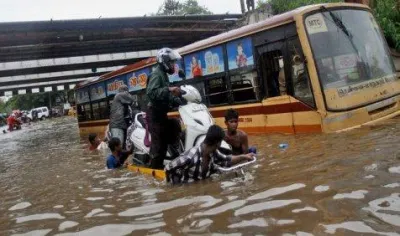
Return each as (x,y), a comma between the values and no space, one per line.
(228,160)
(244,140)
(124,156)
(241,158)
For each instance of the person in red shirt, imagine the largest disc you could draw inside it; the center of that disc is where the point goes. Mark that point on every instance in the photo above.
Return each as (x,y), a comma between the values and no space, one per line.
(11,121)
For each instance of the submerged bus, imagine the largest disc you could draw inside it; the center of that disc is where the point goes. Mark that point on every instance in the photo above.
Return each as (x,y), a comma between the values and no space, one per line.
(319,68)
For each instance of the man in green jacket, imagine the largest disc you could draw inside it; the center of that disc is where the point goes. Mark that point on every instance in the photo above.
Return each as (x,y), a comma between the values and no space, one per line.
(162,98)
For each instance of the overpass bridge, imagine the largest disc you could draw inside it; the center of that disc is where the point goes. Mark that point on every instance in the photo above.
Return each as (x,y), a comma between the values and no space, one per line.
(55,55)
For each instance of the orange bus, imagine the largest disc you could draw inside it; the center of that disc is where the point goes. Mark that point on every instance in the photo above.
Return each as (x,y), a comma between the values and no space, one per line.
(319,68)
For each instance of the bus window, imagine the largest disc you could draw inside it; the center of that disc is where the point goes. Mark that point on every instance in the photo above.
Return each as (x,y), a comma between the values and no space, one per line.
(244,87)
(217,91)
(300,80)
(271,67)
(103,110)
(80,112)
(88,113)
(96,113)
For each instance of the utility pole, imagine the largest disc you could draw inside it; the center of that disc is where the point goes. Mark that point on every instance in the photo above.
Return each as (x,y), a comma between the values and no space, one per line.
(242,6)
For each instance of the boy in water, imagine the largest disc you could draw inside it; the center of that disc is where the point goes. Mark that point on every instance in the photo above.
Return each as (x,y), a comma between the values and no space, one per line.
(202,161)
(236,138)
(94,142)
(118,156)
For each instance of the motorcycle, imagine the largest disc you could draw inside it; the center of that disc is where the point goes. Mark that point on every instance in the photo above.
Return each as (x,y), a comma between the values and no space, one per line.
(194,116)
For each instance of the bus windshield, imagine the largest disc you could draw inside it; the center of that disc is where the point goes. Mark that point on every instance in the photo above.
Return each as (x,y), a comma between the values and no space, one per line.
(351,57)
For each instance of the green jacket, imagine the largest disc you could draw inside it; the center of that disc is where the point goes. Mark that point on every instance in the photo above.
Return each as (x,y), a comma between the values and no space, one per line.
(158,94)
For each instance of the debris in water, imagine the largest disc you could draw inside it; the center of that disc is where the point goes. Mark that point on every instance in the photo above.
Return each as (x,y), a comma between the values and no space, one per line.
(283,145)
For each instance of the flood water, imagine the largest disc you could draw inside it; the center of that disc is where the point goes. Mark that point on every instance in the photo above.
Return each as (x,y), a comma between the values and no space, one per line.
(322,184)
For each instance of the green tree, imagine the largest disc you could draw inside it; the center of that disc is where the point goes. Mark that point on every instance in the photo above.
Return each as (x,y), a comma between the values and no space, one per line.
(388,16)
(29,101)
(189,7)
(2,106)
(280,6)
(169,8)
(192,7)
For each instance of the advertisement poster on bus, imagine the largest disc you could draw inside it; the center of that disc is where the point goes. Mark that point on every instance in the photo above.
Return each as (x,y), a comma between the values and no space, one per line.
(114,84)
(240,53)
(175,77)
(137,80)
(97,92)
(82,96)
(207,62)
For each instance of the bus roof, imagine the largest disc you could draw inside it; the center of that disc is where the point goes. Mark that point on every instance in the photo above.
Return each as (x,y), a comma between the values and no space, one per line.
(273,21)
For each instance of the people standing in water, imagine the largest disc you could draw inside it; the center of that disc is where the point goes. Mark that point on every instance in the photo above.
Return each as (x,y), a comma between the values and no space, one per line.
(12,121)
(118,113)
(200,162)
(163,130)
(236,138)
(118,156)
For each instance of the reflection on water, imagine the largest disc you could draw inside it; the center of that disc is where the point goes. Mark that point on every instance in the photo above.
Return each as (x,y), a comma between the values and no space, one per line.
(322,184)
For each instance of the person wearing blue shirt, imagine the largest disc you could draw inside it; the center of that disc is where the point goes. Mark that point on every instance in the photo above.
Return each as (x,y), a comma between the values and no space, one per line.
(118,156)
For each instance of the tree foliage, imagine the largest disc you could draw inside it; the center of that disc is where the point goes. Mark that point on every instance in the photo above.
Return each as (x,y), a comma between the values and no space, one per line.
(281,6)
(188,7)
(388,16)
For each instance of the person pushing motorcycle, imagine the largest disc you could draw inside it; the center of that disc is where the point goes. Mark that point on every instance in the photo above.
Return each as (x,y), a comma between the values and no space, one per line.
(163,131)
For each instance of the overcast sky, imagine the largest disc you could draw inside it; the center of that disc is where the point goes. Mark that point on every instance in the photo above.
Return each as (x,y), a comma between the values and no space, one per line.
(32,10)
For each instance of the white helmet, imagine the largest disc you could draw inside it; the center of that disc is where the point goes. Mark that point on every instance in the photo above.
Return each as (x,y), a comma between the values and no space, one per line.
(167,58)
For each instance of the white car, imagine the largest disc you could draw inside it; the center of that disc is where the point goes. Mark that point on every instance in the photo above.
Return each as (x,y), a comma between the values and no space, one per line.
(42,112)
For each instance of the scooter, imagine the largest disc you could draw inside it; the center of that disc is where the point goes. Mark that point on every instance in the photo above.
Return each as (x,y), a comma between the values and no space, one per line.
(194,116)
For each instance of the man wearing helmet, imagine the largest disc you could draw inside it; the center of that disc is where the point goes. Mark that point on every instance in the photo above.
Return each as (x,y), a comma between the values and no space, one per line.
(161,97)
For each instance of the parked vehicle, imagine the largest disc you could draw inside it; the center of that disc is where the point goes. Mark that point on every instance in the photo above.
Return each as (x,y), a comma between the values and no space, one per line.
(39,113)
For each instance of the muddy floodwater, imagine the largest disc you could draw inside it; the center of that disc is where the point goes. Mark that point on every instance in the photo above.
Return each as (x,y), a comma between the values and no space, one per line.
(322,184)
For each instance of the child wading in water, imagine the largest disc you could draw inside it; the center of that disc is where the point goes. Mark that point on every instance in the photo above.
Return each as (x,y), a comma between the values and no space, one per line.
(236,138)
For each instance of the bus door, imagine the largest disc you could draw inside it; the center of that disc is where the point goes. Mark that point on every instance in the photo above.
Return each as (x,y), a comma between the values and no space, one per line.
(271,69)
(305,116)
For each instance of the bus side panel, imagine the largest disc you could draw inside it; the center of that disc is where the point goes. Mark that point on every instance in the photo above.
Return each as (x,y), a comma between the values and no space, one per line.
(97,127)
(305,120)
(278,114)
